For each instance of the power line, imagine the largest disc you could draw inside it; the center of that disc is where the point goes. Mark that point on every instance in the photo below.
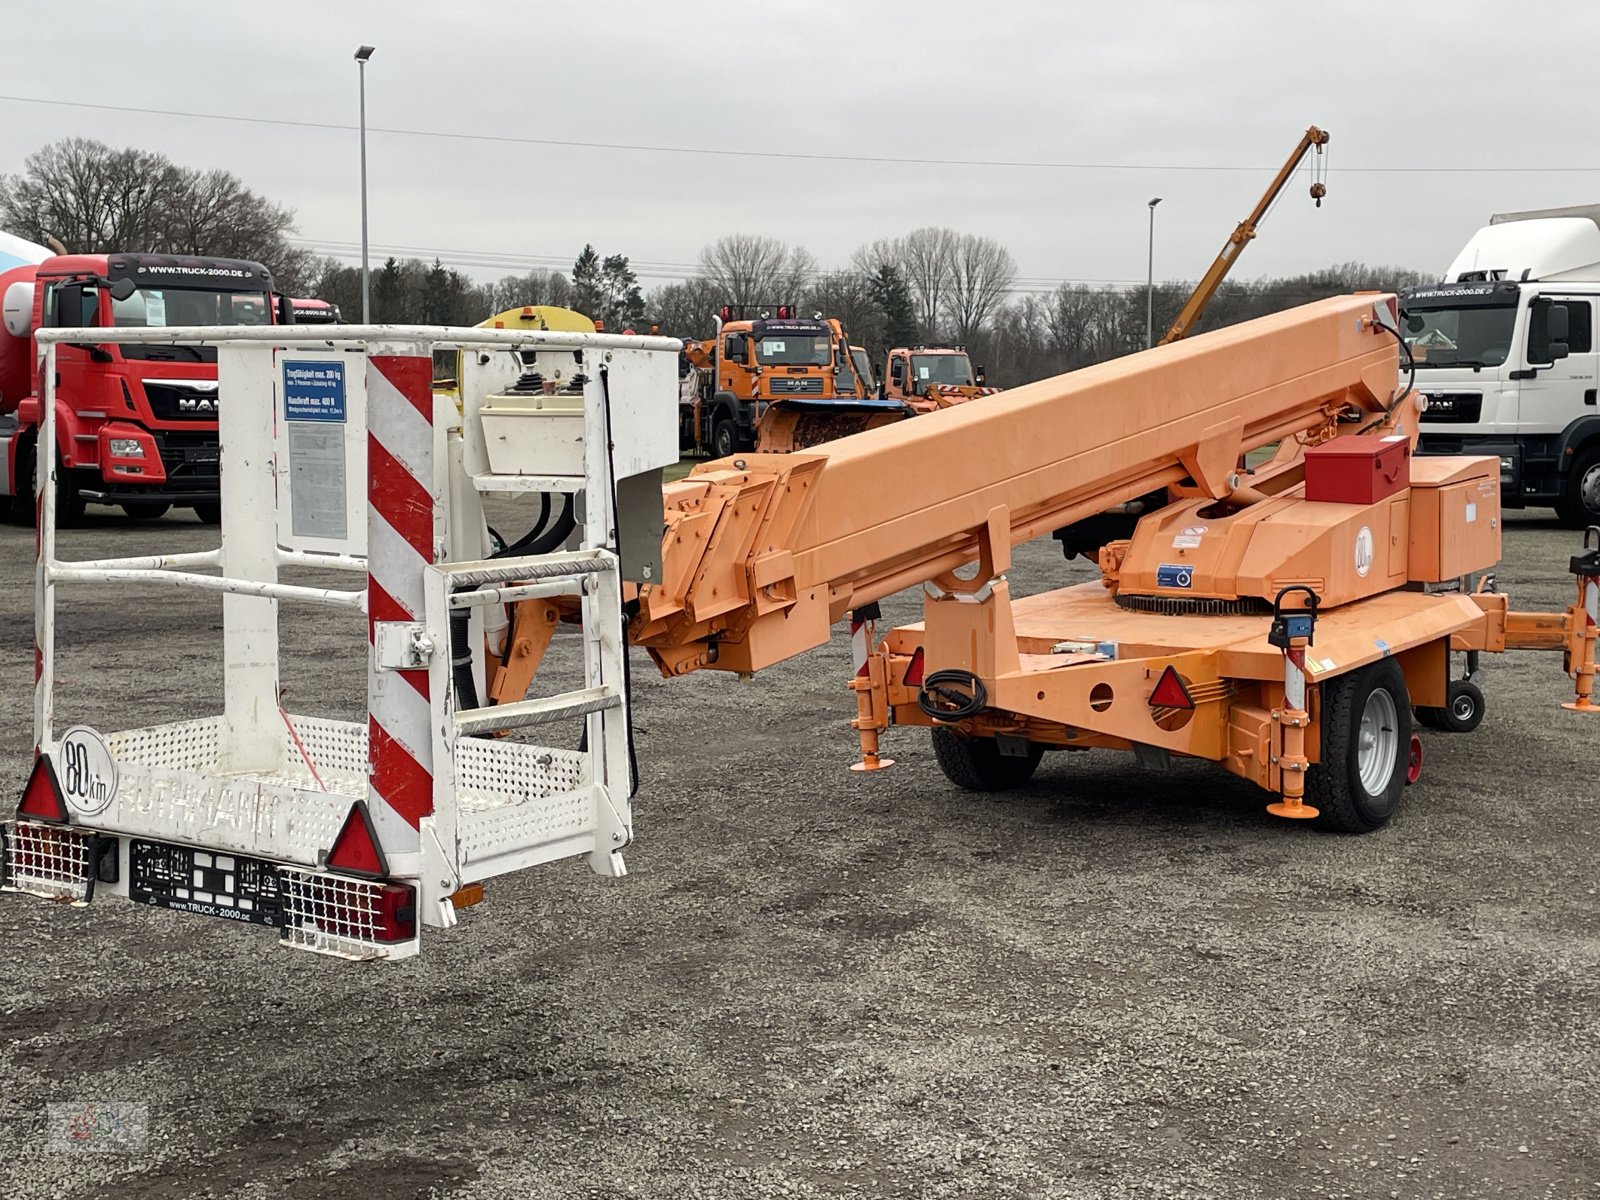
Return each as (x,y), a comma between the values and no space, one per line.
(776,154)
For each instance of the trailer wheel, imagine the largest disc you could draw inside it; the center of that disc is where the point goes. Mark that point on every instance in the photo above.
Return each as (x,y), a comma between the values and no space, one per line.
(1366,749)
(1579,506)
(145,510)
(977,764)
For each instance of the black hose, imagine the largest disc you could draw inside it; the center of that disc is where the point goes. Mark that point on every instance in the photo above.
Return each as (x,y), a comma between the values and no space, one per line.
(616,548)
(958,707)
(1411,379)
(521,544)
(560,530)
(461,658)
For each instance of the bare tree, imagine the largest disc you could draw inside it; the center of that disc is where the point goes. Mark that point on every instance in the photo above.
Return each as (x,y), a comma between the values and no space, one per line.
(536,287)
(213,213)
(981,272)
(89,196)
(98,200)
(923,258)
(848,296)
(751,270)
(683,310)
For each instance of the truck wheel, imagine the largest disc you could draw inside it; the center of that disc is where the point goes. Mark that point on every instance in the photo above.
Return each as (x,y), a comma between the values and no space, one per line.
(70,504)
(1579,507)
(1366,749)
(977,764)
(209,514)
(724,438)
(1462,714)
(145,510)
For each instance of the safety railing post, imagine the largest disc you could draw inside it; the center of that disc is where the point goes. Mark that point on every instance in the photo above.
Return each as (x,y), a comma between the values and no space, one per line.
(406,533)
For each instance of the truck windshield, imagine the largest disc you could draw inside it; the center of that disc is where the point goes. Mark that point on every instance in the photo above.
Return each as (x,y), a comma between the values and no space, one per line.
(951,369)
(160,307)
(864,369)
(792,351)
(1475,336)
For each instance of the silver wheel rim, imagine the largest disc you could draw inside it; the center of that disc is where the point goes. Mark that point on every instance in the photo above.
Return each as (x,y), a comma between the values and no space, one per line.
(1589,489)
(1463,707)
(1377,742)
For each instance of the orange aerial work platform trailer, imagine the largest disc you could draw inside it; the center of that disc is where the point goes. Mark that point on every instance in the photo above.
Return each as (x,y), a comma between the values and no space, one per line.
(1281,621)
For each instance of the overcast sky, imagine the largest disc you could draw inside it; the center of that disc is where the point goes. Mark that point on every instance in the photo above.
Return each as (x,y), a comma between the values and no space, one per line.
(1164,86)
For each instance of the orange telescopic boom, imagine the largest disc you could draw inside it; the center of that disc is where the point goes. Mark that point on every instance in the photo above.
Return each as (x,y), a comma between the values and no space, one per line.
(763,552)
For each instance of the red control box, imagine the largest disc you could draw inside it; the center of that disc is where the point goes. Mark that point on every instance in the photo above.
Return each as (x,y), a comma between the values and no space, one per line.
(1359,469)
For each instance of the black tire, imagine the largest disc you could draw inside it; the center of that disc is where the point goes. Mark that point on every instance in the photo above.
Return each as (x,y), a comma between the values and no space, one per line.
(1579,506)
(1335,786)
(209,514)
(23,508)
(70,504)
(145,510)
(724,438)
(977,764)
(1462,714)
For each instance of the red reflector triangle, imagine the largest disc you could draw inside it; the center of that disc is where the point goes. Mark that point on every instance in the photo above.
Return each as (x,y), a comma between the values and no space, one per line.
(1170,692)
(41,797)
(355,851)
(914,669)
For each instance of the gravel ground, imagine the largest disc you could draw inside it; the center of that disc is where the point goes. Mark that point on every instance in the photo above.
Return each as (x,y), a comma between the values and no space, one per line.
(814,983)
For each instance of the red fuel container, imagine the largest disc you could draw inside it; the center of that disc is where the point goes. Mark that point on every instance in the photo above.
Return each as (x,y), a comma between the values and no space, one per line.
(1358,469)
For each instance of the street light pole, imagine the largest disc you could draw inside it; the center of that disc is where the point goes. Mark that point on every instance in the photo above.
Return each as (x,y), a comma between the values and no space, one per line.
(1150,282)
(362,54)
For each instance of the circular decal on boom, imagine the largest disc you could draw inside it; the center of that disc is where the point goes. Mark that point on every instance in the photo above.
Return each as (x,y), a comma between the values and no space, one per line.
(87,772)
(1364,551)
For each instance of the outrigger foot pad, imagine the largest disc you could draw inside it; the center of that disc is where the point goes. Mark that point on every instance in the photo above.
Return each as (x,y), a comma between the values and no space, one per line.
(1295,812)
(872,764)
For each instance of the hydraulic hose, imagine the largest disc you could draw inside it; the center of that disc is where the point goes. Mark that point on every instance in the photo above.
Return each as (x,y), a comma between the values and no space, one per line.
(537,528)
(461,658)
(1411,379)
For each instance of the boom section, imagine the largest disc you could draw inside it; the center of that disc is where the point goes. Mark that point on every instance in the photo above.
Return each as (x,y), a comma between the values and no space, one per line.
(1244,233)
(762,552)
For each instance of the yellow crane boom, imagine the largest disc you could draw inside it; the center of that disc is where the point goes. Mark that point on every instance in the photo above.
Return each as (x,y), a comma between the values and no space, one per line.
(1312,139)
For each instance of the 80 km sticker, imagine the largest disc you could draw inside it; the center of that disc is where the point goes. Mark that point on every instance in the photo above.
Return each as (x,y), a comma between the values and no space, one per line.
(88,773)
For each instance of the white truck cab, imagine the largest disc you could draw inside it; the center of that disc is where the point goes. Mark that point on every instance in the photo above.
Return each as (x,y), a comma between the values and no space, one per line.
(1505,352)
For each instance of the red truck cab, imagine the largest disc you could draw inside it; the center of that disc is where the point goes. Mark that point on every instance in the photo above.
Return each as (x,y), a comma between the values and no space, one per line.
(136,423)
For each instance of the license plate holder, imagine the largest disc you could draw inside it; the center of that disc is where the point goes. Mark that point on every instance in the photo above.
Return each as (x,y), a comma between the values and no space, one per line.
(232,887)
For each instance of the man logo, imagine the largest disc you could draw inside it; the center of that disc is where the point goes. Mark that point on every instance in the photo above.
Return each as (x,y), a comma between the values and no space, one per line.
(197,404)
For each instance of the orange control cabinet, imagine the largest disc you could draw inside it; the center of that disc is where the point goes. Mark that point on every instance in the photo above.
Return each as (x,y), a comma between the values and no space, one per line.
(1455,517)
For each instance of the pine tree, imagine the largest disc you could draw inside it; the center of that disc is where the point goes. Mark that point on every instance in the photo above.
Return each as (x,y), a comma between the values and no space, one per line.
(587,296)
(894,298)
(622,301)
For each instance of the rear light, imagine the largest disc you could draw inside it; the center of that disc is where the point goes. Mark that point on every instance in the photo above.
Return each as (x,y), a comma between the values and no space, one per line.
(914,669)
(347,917)
(725,313)
(349,909)
(1170,692)
(55,862)
(42,799)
